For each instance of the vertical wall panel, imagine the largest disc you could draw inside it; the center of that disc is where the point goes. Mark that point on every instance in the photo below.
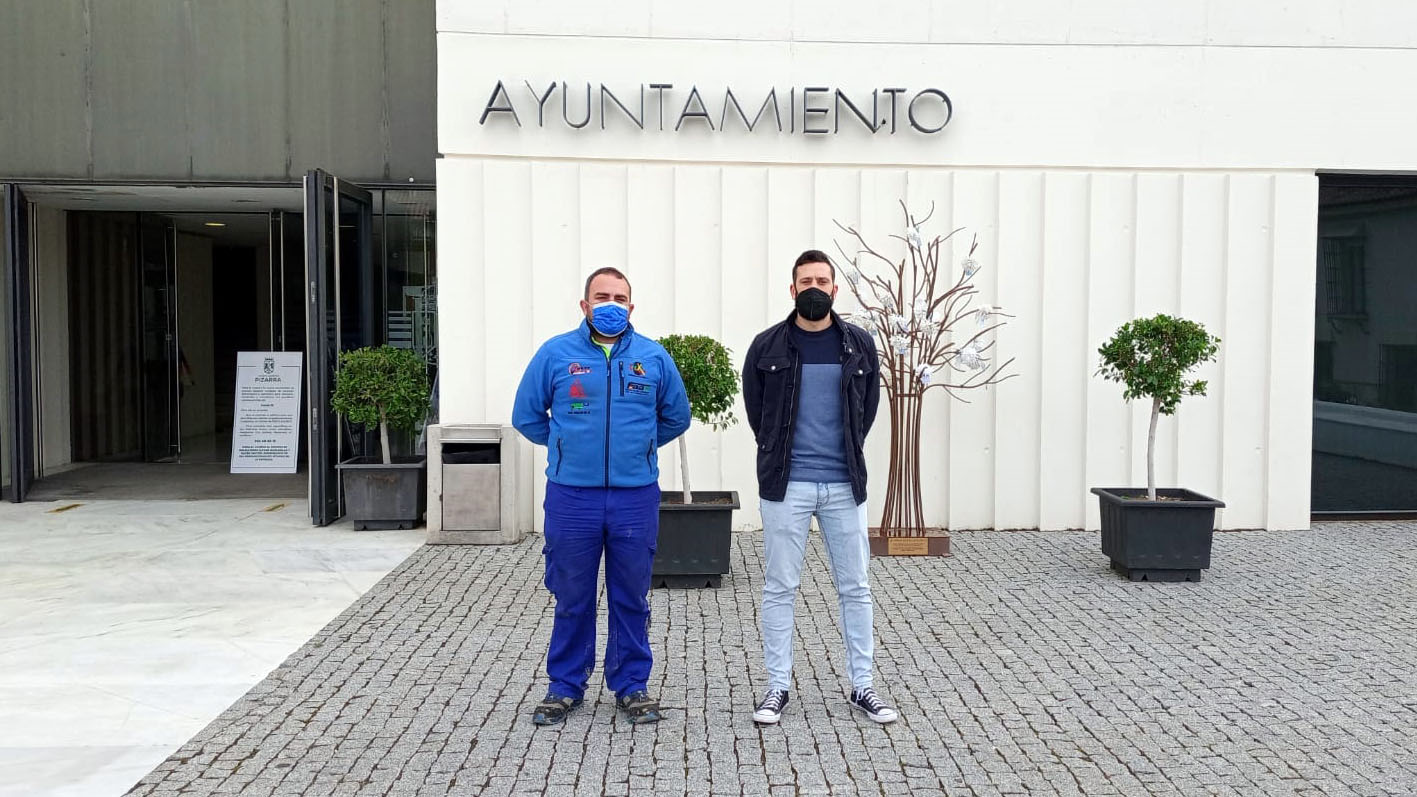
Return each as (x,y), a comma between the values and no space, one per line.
(698,288)
(975,206)
(1065,363)
(1071,254)
(745,301)
(1020,279)
(1111,238)
(791,220)
(508,303)
(924,188)
(1158,262)
(604,224)
(650,244)
(461,390)
(1291,364)
(1245,355)
(1204,221)
(878,218)
(557,280)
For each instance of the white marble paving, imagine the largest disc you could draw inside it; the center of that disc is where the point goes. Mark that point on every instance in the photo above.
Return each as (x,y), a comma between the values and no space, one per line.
(127,626)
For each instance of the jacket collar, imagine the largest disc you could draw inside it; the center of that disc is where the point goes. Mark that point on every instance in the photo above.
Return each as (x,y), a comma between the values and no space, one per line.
(847,343)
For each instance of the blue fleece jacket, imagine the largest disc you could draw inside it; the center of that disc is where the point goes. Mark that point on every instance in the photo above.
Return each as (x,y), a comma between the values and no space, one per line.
(601,418)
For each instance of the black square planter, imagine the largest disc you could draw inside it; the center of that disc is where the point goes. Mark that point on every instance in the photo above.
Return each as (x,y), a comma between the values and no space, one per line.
(1162,540)
(694,540)
(379,496)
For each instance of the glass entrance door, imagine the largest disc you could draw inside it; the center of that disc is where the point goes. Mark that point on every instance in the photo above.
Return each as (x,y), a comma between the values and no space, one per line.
(17,395)
(339,316)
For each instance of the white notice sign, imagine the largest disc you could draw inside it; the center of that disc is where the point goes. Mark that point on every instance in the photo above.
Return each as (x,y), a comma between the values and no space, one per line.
(266,434)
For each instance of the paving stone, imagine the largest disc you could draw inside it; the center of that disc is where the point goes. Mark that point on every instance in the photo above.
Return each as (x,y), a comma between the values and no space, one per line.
(1020,665)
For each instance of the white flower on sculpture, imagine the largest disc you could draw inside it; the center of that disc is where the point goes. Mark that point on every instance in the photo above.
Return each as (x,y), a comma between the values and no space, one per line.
(912,236)
(888,302)
(981,316)
(853,276)
(971,357)
(919,308)
(900,322)
(970,267)
(923,373)
(900,343)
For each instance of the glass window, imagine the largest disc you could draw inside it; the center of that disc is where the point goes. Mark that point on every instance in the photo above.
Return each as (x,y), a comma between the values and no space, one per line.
(1365,348)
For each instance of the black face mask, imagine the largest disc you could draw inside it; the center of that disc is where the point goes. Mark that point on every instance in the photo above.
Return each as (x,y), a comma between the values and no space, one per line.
(813,304)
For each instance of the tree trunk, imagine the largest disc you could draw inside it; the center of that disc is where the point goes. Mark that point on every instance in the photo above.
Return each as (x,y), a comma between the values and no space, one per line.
(384,436)
(1151,451)
(684,469)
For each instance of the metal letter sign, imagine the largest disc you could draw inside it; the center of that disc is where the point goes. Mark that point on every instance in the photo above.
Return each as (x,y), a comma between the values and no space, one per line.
(812,110)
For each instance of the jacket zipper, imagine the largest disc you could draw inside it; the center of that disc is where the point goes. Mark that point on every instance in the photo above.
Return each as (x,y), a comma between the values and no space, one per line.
(607,417)
(847,411)
(622,378)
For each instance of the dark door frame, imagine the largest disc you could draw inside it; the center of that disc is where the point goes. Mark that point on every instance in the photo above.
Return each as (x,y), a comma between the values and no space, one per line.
(18,337)
(325,270)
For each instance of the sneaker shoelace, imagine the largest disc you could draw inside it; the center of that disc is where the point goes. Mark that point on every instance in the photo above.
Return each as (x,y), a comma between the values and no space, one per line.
(772,701)
(867,697)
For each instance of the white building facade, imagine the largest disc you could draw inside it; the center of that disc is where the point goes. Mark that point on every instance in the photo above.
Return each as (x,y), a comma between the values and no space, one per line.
(1115,160)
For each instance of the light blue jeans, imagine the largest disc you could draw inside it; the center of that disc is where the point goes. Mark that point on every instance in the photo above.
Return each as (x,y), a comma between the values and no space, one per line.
(843,525)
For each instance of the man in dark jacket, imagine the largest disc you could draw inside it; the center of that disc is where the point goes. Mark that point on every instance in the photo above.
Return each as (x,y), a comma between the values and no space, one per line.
(602,399)
(811,385)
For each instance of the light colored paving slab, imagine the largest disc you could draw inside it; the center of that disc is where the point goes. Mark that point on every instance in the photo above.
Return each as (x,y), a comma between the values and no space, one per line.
(126,627)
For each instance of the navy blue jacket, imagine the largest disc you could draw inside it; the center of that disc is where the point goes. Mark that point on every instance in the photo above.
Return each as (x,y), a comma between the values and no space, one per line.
(601,419)
(772,372)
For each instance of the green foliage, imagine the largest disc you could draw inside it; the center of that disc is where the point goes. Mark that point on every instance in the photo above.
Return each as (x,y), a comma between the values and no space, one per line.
(384,383)
(709,377)
(1151,357)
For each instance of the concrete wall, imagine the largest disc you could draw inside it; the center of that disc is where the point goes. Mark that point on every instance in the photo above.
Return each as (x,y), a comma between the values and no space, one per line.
(1116,160)
(231,90)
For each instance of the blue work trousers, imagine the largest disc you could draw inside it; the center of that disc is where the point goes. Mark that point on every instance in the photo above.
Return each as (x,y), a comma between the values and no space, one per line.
(581,524)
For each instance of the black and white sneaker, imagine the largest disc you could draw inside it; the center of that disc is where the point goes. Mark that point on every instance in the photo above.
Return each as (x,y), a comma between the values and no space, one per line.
(769,711)
(866,700)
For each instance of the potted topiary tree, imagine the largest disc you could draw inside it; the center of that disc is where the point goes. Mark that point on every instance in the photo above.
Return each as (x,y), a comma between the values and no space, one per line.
(386,388)
(696,529)
(1157,535)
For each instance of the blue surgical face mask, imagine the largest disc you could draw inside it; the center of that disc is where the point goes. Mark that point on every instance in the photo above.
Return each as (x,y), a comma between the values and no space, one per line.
(609,318)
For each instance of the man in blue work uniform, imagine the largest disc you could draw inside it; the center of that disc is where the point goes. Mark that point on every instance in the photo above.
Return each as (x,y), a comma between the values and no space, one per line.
(602,399)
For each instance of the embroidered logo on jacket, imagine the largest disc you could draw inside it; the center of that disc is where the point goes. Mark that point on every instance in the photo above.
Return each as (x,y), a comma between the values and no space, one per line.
(578,370)
(637,369)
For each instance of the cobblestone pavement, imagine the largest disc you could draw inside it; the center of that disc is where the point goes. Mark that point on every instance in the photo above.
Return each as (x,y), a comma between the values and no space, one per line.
(1021,665)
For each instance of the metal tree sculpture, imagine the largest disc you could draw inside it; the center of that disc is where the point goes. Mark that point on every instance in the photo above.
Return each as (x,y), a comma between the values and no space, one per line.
(928,337)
